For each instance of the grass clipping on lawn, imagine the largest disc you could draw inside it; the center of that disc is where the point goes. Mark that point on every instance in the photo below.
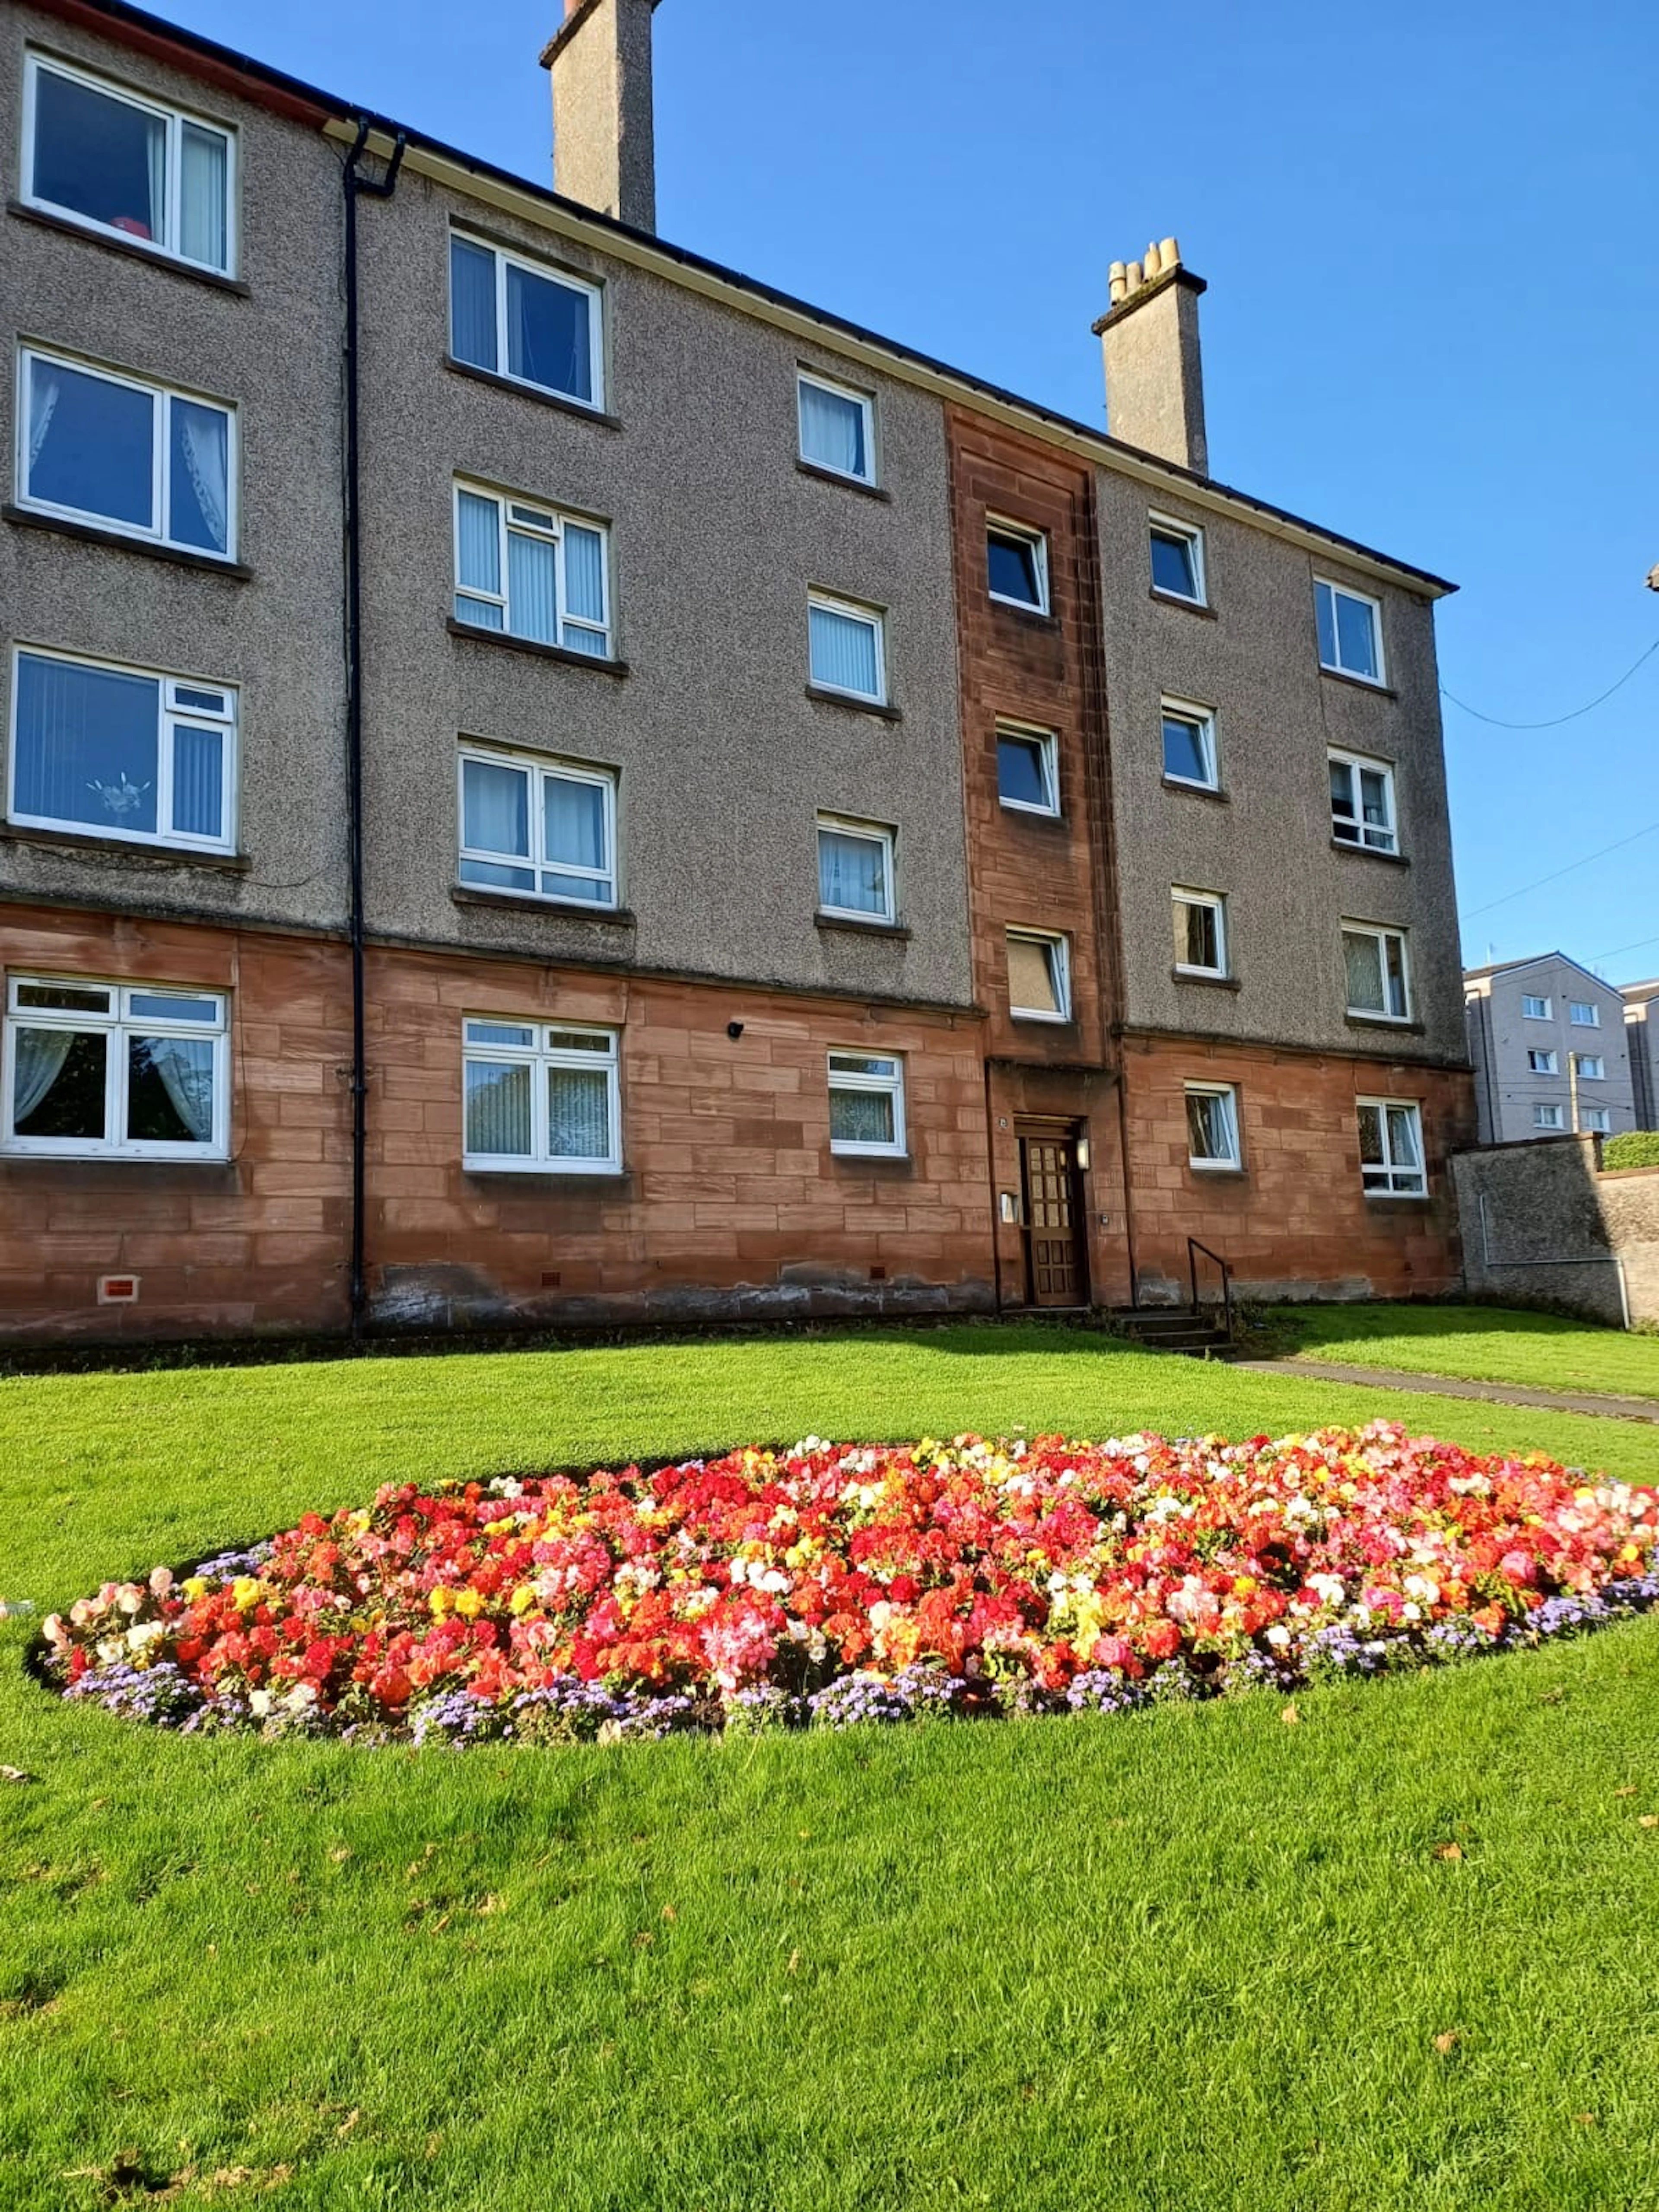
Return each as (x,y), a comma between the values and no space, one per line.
(828,1585)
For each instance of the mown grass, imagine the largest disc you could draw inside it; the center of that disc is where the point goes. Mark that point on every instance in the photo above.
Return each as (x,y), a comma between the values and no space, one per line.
(1202,1957)
(1483,1344)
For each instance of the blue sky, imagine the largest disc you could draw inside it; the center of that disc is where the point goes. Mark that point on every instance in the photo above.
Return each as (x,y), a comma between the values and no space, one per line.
(1433,319)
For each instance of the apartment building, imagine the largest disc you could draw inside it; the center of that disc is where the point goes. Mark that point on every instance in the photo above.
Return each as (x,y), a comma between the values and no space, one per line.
(1642,1041)
(550,782)
(1549,1046)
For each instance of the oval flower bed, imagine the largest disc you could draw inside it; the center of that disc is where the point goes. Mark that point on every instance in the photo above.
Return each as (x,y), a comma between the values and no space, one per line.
(832,1584)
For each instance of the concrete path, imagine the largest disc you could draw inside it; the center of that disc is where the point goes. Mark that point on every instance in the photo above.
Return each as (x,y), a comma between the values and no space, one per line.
(1458,1386)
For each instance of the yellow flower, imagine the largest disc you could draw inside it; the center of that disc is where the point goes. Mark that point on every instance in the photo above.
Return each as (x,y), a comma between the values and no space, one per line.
(469,1604)
(523,1598)
(246,1592)
(196,1586)
(439,1602)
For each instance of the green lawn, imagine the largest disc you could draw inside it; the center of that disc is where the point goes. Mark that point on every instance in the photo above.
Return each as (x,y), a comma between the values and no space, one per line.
(1487,1344)
(1198,1957)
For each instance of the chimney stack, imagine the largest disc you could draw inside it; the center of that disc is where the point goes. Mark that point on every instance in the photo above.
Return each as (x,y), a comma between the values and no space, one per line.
(1154,376)
(604,144)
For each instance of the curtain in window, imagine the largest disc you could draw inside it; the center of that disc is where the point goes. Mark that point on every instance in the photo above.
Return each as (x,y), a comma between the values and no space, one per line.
(844,654)
(46,390)
(578,1114)
(472,304)
(832,430)
(1403,1146)
(198,780)
(852,872)
(574,823)
(477,556)
(533,592)
(201,440)
(860,1117)
(86,744)
(1370,1136)
(584,574)
(547,334)
(185,1067)
(203,198)
(497,1109)
(1364,959)
(496,815)
(1210,1125)
(1031,982)
(40,1054)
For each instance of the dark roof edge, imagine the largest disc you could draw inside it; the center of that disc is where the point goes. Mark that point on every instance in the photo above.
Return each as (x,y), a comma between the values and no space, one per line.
(1537,960)
(140,21)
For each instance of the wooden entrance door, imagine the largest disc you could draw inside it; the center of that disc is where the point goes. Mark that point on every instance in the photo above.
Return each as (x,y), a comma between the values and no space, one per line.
(1056,1269)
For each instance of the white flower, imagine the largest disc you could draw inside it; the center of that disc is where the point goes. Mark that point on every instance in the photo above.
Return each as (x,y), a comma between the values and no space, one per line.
(258,1703)
(1279,1636)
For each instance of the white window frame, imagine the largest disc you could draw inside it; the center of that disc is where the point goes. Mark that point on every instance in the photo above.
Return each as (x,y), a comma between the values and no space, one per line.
(118,1022)
(537,767)
(862,400)
(872,833)
(162,397)
(1184,894)
(171,715)
(1598,1119)
(1170,525)
(1234,1163)
(1583,1014)
(889,1087)
(1380,680)
(1048,745)
(1534,1008)
(1059,948)
(873,618)
(1002,526)
(534,518)
(1381,932)
(546,273)
(539,1056)
(1592,1066)
(1368,837)
(174,119)
(1187,710)
(1418,1176)
(1549,1116)
(1542,1060)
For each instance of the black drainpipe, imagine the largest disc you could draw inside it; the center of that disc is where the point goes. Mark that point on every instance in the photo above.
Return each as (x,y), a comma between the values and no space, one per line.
(382,189)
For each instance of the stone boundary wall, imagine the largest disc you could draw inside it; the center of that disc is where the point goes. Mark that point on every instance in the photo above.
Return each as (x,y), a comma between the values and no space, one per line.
(1544,1221)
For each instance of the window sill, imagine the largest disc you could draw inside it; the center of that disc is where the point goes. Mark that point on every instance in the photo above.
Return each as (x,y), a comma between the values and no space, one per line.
(126,1162)
(1206,982)
(562,654)
(896,931)
(1037,1020)
(126,849)
(1211,791)
(1051,816)
(854,705)
(130,248)
(1370,852)
(1207,1168)
(1357,683)
(887,1163)
(1028,617)
(532,391)
(1398,1198)
(619,917)
(845,483)
(93,533)
(1384,1022)
(551,1178)
(1175,600)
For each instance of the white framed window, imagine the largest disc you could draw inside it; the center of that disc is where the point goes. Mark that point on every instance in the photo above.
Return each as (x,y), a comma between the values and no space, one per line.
(129,166)
(517,318)
(1549,1117)
(1212,1126)
(1378,979)
(1201,932)
(1598,1119)
(1027,768)
(1592,1067)
(1536,1010)
(1362,803)
(124,1070)
(867,1104)
(544,828)
(855,870)
(1583,1014)
(121,752)
(543,1096)
(1391,1148)
(838,426)
(1039,976)
(1017,565)
(1189,748)
(138,458)
(1543,1063)
(1177,553)
(532,572)
(847,648)
(1350,632)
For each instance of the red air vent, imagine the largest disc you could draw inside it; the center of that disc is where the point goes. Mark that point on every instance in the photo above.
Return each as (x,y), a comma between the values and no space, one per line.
(878,1274)
(117,1290)
(549,1279)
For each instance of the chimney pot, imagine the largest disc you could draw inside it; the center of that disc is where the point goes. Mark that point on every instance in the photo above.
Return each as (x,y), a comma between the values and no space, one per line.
(1134,276)
(1169,253)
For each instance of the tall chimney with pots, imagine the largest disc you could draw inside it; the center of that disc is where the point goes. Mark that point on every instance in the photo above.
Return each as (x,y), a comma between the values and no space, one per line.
(1154,376)
(604,148)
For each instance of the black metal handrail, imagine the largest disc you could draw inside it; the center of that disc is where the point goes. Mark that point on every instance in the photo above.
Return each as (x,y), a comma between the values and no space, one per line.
(1194,1247)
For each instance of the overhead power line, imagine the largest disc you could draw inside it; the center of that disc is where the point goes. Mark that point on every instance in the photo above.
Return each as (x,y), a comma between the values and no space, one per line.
(1498,722)
(1556,874)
